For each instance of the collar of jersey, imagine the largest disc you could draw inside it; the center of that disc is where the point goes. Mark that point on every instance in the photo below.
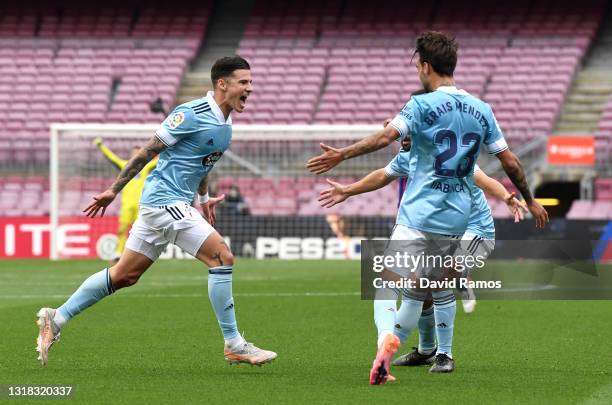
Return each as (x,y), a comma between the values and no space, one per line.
(451,89)
(216,110)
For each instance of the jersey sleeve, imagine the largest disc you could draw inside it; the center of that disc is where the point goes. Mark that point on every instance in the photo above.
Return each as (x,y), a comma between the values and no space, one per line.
(178,125)
(395,168)
(494,141)
(406,121)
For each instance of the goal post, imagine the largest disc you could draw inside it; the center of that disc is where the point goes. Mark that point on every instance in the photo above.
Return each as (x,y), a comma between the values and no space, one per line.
(265,164)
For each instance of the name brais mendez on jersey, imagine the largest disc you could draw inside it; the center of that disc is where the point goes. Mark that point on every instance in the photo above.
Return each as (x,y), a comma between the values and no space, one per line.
(463,107)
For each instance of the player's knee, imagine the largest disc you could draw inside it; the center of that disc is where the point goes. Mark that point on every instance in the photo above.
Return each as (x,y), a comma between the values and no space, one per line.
(125,280)
(122,279)
(228,258)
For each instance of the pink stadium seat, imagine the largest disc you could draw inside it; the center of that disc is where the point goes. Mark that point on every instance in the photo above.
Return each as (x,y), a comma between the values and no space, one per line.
(326,62)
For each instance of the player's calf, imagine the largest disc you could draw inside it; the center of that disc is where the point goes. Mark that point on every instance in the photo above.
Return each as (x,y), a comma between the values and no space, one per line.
(128,271)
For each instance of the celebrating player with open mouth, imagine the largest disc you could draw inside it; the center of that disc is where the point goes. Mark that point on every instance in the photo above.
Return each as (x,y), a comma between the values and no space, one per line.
(189,142)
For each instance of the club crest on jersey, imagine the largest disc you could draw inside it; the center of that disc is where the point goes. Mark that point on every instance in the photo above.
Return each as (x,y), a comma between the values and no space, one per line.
(177,119)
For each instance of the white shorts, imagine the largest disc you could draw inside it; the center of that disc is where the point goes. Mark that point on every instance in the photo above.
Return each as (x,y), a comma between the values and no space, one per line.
(179,223)
(419,243)
(477,247)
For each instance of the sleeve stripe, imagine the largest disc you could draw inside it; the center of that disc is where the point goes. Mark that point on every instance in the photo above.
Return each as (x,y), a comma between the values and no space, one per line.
(389,172)
(165,136)
(498,151)
(400,125)
(497,146)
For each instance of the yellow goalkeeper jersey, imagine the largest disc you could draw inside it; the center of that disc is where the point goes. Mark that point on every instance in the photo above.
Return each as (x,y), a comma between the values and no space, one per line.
(132,191)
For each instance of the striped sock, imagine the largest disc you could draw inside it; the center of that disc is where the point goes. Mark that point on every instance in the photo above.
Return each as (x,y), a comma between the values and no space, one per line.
(220,295)
(96,287)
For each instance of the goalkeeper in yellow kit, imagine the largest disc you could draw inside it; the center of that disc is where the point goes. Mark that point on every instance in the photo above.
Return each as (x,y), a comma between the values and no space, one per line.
(130,195)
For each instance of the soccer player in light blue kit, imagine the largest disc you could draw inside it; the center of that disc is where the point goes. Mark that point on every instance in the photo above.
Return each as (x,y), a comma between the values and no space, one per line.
(189,142)
(477,241)
(480,234)
(447,127)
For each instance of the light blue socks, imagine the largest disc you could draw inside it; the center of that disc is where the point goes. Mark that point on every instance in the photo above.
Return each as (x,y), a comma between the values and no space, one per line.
(445,308)
(96,287)
(385,307)
(408,316)
(427,331)
(220,294)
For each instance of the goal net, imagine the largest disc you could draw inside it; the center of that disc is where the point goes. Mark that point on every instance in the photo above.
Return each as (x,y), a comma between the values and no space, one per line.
(271,207)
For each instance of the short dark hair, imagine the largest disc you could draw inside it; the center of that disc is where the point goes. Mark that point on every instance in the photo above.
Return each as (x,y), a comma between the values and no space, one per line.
(439,50)
(225,66)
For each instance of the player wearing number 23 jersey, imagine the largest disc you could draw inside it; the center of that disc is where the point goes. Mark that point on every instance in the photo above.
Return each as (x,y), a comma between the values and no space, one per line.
(447,128)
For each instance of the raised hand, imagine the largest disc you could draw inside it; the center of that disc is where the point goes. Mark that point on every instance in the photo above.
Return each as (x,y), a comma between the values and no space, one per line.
(100,202)
(517,208)
(326,161)
(539,213)
(208,209)
(334,195)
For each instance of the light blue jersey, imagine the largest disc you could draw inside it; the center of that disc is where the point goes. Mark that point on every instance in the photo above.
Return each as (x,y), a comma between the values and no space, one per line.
(447,128)
(196,134)
(480,222)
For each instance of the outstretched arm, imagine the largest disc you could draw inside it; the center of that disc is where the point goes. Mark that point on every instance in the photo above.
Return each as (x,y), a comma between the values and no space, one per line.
(154,147)
(109,154)
(496,189)
(340,192)
(331,157)
(513,168)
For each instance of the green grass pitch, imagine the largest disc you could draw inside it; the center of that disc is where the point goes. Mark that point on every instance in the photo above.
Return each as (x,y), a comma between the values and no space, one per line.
(158,342)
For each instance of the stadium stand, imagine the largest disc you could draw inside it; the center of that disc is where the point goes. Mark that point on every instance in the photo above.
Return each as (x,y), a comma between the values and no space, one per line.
(519,57)
(313,62)
(603,136)
(600,208)
(89,65)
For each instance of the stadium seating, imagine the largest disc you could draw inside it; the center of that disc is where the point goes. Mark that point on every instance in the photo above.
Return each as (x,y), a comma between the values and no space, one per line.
(599,208)
(603,136)
(313,62)
(356,68)
(90,65)
(587,209)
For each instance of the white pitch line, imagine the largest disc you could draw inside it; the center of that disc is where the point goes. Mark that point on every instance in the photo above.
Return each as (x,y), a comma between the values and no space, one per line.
(254,295)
